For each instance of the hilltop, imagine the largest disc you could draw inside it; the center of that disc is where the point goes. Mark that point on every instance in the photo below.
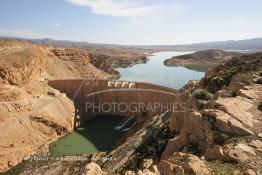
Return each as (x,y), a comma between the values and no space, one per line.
(206,58)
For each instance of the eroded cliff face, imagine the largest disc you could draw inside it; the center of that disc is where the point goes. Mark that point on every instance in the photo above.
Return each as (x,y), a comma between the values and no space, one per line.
(103,62)
(20,64)
(66,63)
(27,125)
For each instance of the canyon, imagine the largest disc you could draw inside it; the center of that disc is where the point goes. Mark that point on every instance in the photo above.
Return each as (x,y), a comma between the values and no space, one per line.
(44,91)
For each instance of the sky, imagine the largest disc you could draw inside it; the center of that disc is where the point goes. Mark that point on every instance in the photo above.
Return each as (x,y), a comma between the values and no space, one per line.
(132,22)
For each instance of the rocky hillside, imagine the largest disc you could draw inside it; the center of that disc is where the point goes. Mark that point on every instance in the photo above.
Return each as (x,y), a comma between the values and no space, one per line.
(65,63)
(20,63)
(224,129)
(204,58)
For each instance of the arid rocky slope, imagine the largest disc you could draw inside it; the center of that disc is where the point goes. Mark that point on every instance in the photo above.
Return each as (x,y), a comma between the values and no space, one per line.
(224,129)
(30,118)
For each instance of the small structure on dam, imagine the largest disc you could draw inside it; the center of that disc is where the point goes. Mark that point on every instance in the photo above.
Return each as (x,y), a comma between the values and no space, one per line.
(131,99)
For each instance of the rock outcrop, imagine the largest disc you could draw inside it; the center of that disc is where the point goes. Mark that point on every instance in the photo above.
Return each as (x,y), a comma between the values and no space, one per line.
(192,129)
(182,164)
(239,67)
(103,62)
(129,62)
(67,63)
(94,169)
(27,63)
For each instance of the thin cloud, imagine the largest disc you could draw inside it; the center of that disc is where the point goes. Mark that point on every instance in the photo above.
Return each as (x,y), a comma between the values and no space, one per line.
(25,33)
(57,24)
(124,8)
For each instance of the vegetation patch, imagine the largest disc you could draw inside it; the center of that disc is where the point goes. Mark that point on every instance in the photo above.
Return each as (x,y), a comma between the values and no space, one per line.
(219,168)
(243,78)
(259,81)
(150,149)
(199,68)
(260,106)
(202,94)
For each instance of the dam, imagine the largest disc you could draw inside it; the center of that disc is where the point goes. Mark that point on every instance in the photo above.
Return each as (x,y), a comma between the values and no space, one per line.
(105,110)
(119,98)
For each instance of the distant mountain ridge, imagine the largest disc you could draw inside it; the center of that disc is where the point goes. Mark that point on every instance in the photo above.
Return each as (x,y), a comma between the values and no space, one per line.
(254,45)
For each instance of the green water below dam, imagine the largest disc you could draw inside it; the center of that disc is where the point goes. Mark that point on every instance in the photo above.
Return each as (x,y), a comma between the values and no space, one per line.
(98,134)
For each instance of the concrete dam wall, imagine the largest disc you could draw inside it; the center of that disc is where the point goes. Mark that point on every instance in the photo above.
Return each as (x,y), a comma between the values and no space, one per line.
(105,97)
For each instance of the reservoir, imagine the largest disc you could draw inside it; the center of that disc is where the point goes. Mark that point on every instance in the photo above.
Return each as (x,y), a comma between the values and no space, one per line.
(154,71)
(102,132)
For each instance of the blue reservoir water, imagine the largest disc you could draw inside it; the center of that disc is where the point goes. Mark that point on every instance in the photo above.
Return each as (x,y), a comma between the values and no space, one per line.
(154,71)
